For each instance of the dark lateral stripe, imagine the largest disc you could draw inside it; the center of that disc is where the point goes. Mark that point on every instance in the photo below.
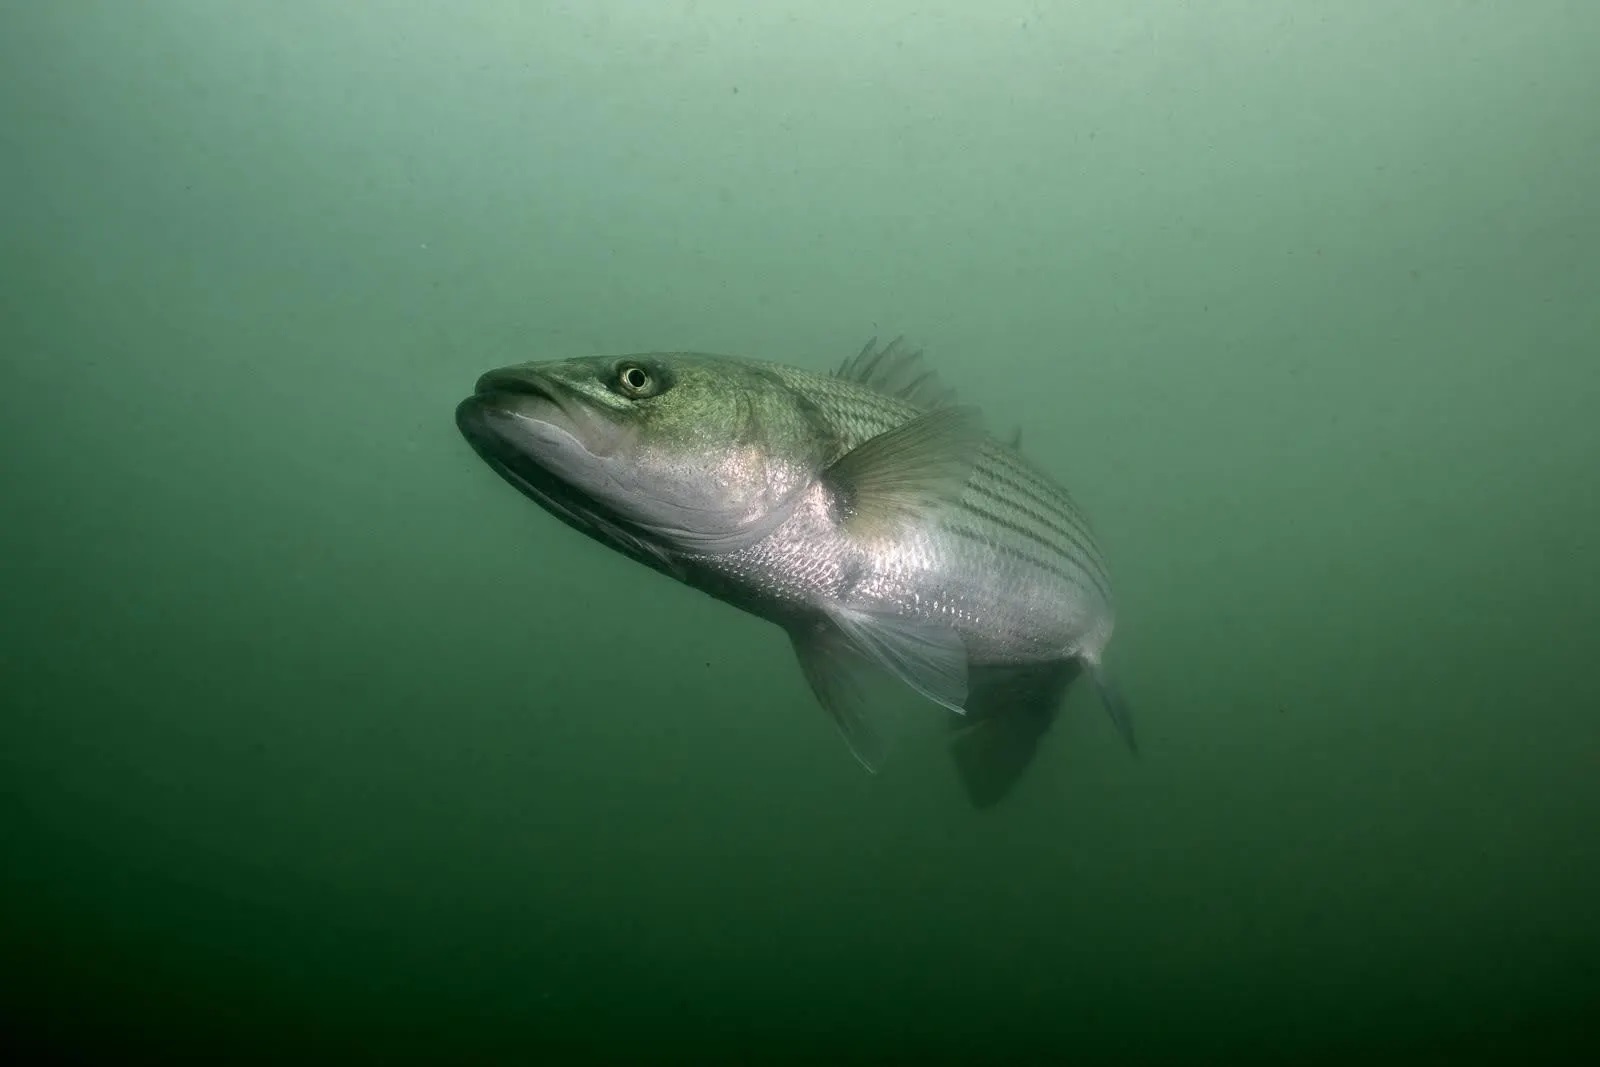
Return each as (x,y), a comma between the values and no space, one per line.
(1086,549)
(1050,521)
(863,414)
(1073,577)
(1048,498)
(869,415)
(1034,498)
(1095,574)
(1012,467)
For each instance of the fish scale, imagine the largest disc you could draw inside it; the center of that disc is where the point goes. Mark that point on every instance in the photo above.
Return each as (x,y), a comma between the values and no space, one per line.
(1023,529)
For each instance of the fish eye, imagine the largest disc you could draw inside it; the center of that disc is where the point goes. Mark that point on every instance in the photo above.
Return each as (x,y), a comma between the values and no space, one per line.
(636,382)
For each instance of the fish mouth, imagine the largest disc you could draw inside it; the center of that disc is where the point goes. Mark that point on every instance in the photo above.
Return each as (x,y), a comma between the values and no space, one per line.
(514,381)
(503,399)
(491,418)
(506,394)
(537,435)
(506,397)
(495,422)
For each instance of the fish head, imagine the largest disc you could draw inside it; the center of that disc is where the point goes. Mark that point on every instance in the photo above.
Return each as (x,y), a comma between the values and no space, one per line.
(678,451)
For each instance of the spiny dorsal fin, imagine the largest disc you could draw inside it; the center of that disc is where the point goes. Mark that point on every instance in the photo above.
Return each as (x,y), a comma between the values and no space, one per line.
(1015,443)
(897,370)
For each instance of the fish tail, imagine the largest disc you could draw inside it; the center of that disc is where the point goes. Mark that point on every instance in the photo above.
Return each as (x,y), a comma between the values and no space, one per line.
(1116,704)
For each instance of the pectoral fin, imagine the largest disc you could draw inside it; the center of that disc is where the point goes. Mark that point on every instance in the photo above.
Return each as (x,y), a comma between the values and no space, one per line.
(905,473)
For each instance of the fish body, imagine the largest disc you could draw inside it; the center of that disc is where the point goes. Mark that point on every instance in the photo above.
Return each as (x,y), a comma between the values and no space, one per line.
(866,512)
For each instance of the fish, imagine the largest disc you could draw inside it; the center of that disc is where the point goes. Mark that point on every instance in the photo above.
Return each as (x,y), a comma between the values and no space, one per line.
(866,511)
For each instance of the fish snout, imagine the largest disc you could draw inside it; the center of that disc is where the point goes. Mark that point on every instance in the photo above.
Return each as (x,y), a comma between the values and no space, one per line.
(503,393)
(520,410)
(514,381)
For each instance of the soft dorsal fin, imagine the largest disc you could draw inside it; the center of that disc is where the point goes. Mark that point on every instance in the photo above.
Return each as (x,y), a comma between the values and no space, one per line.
(897,370)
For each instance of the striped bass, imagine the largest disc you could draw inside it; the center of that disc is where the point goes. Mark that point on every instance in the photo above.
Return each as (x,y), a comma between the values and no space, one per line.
(865,512)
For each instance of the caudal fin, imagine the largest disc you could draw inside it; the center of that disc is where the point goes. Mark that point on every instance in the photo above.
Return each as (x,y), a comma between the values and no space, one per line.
(1116,705)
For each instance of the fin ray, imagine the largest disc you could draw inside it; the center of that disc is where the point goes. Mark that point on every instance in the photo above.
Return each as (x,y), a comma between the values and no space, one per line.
(897,370)
(931,659)
(1116,705)
(903,473)
(839,677)
(1009,710)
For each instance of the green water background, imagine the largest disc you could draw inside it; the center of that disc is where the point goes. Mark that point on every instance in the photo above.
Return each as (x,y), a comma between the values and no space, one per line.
(317,740)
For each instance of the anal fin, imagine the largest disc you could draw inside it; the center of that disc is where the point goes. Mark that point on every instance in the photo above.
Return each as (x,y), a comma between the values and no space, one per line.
(1009,709)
